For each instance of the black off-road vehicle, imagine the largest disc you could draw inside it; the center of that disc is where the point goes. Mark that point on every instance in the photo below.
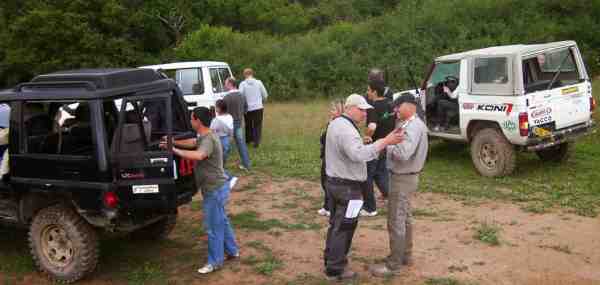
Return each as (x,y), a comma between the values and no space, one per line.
(84,158)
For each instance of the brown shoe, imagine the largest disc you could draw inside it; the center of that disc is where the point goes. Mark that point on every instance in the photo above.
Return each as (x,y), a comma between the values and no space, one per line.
(347,275)
(382,270)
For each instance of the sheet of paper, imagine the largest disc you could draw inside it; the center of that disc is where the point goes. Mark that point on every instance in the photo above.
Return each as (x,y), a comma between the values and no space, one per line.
(353,209)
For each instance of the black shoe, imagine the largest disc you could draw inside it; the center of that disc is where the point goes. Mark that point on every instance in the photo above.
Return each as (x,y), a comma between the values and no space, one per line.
(347,275)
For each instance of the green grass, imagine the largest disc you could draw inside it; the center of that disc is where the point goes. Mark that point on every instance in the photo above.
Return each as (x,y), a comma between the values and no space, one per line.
(290,148)
(488,233)
(265,265)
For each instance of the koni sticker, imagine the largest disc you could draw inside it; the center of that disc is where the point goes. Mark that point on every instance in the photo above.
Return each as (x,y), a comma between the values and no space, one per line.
(507,108)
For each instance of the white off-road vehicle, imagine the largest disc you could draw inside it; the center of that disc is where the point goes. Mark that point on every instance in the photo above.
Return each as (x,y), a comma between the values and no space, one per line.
(508,98)
(201,82)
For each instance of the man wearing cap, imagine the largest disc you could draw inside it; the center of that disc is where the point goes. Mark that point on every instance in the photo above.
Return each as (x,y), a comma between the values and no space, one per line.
(346,170)
(405,161)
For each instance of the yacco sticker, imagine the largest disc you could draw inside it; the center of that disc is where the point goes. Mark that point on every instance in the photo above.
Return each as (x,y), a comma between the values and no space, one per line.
(507,108)
(509,126)
(569,90)
(543,120)
(541,112)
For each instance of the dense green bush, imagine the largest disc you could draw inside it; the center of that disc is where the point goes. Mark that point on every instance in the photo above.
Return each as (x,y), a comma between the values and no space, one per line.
(334,61)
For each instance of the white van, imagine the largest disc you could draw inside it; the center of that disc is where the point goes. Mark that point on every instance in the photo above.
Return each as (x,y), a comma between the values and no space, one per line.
(202,82)
(535,98)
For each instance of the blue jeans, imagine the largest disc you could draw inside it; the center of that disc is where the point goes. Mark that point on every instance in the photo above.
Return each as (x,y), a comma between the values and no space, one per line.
(240,142)
(221,238)
(226,148)
(377,173)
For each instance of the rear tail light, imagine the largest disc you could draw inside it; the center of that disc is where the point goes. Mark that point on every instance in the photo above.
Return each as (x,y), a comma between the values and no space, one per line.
(593,104)
(110,200)
(523,124)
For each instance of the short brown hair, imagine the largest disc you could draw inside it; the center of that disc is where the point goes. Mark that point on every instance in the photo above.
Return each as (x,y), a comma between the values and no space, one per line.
(248,72)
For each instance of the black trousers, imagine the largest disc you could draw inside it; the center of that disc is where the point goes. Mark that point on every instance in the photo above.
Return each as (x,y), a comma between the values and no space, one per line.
(446,111)
(254,126)
(324,185)
(341,229)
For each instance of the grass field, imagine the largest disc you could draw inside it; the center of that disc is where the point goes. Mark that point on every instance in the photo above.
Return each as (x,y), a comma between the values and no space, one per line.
(290,148)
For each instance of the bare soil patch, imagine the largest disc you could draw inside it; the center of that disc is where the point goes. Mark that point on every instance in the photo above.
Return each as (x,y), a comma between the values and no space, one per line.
(282,241)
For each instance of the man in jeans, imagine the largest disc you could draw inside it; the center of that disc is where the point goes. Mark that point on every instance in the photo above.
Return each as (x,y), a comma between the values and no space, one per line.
(380,122)
(346,169)
(237,107)
(255,93)
(405,162)
(206,150)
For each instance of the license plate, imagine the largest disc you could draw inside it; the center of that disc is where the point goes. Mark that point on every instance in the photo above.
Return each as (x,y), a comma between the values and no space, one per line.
(145,189)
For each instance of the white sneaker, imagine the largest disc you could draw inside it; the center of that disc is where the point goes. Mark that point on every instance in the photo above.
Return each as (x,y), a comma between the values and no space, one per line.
(232,182)
(324,212)
(364,213)
(208,268)
(243,167)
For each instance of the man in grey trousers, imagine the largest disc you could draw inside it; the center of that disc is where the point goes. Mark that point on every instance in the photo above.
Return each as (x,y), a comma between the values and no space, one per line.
(405,162)
(346,170)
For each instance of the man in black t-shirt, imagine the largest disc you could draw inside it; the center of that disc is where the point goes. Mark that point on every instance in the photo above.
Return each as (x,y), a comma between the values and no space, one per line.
(380,122)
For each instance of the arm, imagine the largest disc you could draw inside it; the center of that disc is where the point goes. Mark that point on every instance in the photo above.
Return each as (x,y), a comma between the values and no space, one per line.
(204,150)
(185,143)
(263,91)
(371,125)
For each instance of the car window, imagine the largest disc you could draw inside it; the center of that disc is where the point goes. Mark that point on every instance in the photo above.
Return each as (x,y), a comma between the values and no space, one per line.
(190,81)
(224,74)
(217,84)
(443,70)
(58,128)
(552,61)
(491,70)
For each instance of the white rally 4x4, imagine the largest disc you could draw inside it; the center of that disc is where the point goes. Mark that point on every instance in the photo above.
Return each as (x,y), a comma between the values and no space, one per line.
(508,98)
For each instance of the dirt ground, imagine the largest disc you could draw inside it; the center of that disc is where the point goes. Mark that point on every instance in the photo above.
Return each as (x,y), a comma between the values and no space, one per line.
(287,247)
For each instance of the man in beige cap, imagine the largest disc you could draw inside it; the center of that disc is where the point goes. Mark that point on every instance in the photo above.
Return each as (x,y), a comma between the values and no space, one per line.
(346,170)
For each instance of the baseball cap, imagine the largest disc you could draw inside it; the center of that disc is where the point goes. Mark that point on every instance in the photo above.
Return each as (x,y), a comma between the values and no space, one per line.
(358,101)
(405,98)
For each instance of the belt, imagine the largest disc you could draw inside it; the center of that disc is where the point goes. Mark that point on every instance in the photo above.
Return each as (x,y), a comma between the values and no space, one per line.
(344,181)
(408,173)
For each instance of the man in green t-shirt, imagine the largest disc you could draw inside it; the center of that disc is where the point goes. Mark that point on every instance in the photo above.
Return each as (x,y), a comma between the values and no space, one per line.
(207,152)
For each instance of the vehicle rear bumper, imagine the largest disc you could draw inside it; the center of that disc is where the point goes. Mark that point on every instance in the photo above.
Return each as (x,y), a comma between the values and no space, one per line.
(559,136)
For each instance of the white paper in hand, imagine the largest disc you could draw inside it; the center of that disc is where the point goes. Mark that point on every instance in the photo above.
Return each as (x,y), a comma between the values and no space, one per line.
(353,209)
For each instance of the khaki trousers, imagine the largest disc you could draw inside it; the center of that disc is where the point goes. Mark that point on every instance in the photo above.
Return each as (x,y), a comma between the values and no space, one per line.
(402,187)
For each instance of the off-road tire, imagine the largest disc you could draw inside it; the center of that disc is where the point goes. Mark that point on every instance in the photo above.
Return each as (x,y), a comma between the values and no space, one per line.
(557,153)
(158,230)
(76,237)
(492,153)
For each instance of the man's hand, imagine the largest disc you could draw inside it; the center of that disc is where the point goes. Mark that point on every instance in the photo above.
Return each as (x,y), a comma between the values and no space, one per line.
(163,142)
(367,140)
(394,137)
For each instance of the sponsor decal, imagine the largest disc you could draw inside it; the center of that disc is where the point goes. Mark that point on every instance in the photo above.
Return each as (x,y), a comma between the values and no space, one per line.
(126,175)
(569,90)
(509,126)
(541,112)
(541,132)
(468,106)
(543,120)
(158,160)
(507,108)
(145,189)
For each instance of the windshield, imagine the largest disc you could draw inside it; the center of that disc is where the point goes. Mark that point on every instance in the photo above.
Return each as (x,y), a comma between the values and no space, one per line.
(443,70)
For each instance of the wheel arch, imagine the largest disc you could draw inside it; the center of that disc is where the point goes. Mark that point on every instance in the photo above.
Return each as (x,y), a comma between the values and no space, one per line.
(476,125)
